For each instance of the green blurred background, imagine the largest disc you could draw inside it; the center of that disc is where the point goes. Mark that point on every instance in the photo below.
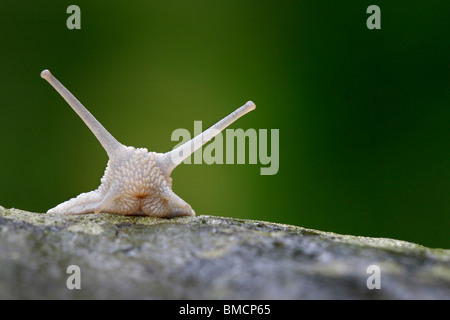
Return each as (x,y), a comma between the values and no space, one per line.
(363,114)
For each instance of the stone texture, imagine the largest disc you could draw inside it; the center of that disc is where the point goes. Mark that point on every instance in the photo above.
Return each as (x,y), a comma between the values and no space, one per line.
(206,257)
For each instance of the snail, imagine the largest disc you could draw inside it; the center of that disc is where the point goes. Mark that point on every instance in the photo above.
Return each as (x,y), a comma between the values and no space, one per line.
(136,181)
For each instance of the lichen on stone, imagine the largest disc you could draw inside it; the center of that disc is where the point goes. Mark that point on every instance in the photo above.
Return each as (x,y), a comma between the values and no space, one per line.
(206,257)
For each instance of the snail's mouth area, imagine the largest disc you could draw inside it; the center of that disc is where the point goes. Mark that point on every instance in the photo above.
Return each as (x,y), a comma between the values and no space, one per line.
(141,199)
(147,204)
(143,202)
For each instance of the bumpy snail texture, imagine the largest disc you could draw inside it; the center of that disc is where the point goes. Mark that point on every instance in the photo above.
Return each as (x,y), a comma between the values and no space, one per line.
(136,181)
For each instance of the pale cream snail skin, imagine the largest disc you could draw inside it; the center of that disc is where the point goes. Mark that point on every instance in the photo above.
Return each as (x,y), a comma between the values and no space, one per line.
(136,181)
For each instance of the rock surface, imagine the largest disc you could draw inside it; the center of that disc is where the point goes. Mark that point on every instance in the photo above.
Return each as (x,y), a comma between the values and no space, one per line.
(206,257)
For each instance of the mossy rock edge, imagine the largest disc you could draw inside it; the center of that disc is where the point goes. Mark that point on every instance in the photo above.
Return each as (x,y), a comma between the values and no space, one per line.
(206,257)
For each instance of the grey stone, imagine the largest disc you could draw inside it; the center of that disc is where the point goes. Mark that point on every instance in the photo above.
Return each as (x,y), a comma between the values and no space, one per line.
(206,257)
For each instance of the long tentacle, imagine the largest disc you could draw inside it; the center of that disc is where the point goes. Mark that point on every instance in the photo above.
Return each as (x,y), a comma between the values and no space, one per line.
(174,157)
(109,143)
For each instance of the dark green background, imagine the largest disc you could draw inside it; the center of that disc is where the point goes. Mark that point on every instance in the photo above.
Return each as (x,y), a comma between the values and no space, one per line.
(363,114)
